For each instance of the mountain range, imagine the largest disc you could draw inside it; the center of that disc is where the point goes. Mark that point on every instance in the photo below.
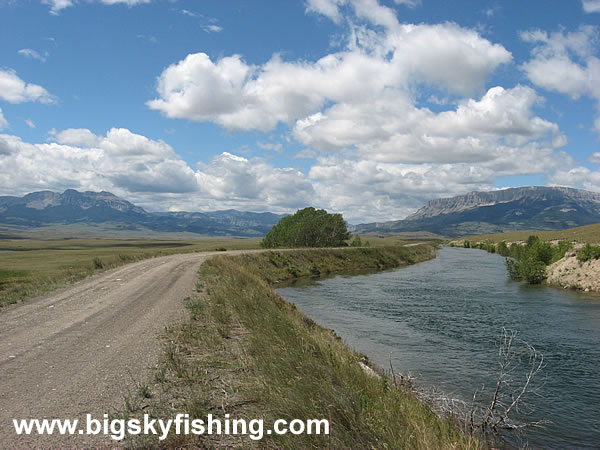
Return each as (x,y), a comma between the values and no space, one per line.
(533,208)
(516,209)
(45,208)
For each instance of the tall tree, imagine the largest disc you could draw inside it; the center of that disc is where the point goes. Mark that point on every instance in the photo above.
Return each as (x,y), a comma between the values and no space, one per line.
(309,227)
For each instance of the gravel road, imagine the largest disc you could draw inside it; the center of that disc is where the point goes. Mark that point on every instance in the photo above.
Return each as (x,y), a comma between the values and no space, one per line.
(81,349)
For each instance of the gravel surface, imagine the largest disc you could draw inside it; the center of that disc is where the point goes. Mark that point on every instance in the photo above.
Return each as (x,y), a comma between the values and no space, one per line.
(83,348)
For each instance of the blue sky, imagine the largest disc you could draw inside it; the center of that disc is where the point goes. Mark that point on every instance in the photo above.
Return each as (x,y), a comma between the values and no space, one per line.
(365,107)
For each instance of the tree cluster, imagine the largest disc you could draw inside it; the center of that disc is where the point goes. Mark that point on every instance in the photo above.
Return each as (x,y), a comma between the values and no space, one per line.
(308,227)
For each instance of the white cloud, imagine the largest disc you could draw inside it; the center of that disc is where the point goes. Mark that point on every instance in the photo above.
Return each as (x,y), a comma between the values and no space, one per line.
(15,90)
(578,177)
(328,8)
(370,10)
(565,62)
(30,123)
(79,137)
(187,12)
(595,158)
(121,161)
(240,96)
(374,191)
(57,5)
(591,6)
(233,178)
(148,172)
(392,129)
(212,28)
(30,53)
(3,121)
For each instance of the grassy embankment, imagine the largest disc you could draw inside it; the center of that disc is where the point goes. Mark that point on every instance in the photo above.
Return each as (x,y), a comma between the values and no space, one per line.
(246,352)
(34,267)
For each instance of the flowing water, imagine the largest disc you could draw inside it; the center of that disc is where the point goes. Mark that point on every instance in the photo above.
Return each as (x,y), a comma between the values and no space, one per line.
(441,320)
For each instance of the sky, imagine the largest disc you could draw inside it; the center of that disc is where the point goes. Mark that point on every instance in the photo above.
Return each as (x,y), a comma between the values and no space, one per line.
(365,107)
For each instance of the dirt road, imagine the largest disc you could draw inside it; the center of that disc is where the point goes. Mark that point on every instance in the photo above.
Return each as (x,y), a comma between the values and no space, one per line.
(83,348)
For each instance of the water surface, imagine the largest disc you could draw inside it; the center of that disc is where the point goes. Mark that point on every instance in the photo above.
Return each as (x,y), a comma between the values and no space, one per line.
(441,320)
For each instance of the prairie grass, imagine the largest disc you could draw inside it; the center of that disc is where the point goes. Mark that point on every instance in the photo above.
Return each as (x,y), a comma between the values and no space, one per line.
(586,234)
(248,353)
(35,267)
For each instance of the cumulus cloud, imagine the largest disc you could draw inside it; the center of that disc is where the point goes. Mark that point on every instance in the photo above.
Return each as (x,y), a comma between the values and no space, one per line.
(3,121)
(392,129)
(369,190)
(577,177)
(565,62)
(230,177)
(14,90)
(591,6)
(240,96)
(120,160)
(79,137)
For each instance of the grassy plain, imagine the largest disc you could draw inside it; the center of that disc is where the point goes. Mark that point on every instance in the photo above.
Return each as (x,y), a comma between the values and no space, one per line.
(586,234)
(37,261)
(248,353)
(30,267)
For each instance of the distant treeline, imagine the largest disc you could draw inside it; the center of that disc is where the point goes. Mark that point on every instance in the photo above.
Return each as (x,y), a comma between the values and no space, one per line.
(528,261)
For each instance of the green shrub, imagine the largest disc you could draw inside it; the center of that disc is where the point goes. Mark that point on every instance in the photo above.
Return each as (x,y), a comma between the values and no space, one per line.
(98,263)
(528,262)
(588,252)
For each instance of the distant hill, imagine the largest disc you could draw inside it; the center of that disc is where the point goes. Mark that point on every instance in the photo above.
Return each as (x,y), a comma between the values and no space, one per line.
(45,208)
(516,209)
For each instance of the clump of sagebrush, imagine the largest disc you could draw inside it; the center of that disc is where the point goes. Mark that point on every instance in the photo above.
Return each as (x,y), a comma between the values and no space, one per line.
(588,253)
(308,227)
(248,353)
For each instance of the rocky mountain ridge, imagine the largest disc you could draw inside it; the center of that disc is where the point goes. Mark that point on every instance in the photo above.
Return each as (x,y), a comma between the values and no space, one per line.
(516,209)
(479,199)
